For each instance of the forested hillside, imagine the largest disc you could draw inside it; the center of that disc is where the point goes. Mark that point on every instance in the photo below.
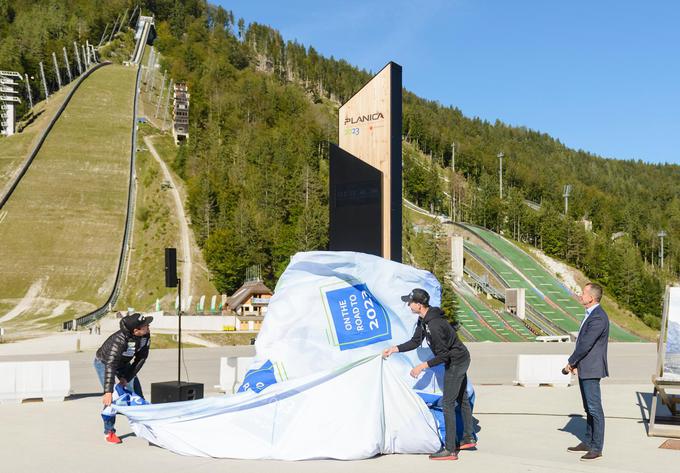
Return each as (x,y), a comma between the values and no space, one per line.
(30,31)
(263,109)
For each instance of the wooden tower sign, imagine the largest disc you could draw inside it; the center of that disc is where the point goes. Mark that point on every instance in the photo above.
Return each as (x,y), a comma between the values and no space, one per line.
(370,130)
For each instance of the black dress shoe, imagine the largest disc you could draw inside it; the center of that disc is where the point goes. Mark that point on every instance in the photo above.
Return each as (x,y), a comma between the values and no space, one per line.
(580,448)
(591,456)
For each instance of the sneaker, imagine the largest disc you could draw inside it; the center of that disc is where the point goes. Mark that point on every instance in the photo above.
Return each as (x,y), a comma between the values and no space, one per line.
(468,444)
(444,454)
(111,437)
(580,448)
(591,456)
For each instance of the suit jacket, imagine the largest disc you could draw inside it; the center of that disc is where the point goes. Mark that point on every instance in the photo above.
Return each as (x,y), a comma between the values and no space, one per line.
(590,352)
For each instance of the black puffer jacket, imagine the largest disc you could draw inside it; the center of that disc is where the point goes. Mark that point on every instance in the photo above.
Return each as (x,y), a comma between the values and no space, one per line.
(123,354)
(441,338)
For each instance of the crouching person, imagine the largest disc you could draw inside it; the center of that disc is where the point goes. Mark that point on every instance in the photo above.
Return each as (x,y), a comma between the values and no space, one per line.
(122,356)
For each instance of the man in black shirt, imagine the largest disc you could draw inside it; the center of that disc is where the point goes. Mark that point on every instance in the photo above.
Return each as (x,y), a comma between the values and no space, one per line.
(450,351)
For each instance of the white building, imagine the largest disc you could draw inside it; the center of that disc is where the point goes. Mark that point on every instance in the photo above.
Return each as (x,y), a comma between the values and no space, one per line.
(9,97)
(180,114)
(249,303)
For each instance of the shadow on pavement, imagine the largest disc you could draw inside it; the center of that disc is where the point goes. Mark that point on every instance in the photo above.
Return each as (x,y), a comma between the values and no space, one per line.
(645,405)
(575,426)
(75,397)
(476,428)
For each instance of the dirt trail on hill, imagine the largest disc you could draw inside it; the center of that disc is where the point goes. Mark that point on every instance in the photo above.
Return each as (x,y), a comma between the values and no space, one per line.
(27,301)
(181,218)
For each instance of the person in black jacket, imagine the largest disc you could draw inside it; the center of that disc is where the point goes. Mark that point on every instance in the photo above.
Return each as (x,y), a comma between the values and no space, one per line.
(450,351)
(122,356)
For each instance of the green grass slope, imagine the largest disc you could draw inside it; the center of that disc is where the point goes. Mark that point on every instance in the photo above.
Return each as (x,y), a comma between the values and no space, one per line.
(512,279)
(62,233)
(16,148)
(155,228)
(554,292)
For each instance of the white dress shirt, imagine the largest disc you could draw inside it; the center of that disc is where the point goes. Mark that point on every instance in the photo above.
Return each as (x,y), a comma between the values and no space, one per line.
(589,311)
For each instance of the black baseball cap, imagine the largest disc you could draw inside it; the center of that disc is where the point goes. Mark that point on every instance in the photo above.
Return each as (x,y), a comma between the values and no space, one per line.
(136,320)
(417,295)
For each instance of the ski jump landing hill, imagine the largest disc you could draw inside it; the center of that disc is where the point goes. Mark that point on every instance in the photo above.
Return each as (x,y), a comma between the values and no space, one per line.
(493,264)
(552,306)
(67,217)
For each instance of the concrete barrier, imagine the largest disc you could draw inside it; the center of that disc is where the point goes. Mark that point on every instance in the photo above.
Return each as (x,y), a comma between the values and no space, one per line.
(232,371)
(49,380)
(193,322)
(534,370)
(554,338)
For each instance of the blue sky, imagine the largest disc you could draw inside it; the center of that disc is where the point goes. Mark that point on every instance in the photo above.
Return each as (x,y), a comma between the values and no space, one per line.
(603,76)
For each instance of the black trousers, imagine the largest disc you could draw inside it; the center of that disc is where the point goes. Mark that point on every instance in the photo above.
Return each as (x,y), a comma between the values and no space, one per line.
(455,390)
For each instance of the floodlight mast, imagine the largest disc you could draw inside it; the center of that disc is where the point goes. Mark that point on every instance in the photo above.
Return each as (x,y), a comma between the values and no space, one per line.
(56,70)
(500,173)
(101,40)
(566,194)
(28,91)
(451,183)
(80,67)
(68,66)
(44,82)
(662,234)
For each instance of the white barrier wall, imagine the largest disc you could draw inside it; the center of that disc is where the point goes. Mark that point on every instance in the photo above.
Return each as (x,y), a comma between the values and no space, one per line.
(49,380)
(554,338)
(232,371)
(193,322)
(533,370)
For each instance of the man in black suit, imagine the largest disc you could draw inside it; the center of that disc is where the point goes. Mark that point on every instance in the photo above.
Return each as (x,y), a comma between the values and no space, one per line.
(589,360)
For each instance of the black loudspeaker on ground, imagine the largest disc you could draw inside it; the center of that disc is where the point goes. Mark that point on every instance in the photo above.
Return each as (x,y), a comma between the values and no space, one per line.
(172,391)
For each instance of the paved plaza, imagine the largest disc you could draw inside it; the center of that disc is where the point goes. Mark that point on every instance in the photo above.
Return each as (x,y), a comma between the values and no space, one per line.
(520,429)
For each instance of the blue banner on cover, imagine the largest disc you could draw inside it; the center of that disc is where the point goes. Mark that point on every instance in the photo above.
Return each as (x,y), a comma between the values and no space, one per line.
(258,379)
(358,317)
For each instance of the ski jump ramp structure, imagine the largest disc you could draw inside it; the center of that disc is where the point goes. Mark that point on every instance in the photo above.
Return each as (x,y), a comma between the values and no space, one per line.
(145,30)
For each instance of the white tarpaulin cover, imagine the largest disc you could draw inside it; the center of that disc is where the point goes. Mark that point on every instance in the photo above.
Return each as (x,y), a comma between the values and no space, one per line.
(318,387)
(333,308)
(354,412)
